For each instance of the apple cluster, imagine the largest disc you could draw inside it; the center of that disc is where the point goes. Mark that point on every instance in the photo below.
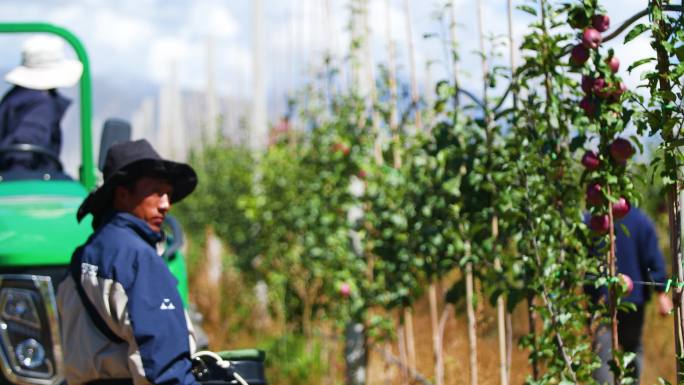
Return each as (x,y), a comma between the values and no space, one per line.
(596,89)
(620,151)
(599,87)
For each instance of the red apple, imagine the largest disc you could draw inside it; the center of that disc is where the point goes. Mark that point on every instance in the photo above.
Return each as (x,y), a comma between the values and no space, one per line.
(362,174)
(614,63)
(600,88)
(594,195)
(587,84)
(620,208)
(599,223)
(591,161)
(591,38)
(588,106)
(341,147)
(627,283)
(601,22)
(621,150)
(345,290)
(617,92)
(579,55)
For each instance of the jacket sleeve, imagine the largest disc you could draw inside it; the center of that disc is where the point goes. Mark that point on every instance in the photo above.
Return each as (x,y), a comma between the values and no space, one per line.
(158,323)
(651,256)
(35,127)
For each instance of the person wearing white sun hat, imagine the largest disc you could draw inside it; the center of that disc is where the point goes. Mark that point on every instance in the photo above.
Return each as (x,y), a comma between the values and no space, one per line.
(32,110)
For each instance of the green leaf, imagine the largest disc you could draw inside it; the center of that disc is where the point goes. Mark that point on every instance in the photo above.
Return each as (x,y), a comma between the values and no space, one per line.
(528,9)
(636,31)
(679,52)
(577,142)
(625,230)
(452,186)
(639,62)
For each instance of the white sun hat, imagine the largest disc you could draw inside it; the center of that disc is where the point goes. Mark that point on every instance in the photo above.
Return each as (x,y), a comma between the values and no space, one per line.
(44,65)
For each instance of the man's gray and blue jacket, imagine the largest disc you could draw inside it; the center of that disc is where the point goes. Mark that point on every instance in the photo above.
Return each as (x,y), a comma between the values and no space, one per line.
(135,294)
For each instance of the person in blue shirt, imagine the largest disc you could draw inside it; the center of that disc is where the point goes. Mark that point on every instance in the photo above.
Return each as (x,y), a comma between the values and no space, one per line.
(31,111)
(121,315)
(639,257)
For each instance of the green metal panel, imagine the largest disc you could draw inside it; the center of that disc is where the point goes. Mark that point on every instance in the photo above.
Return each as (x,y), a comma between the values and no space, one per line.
(87,166)
(179,270)
(38,218)
(38,226)
(38,222)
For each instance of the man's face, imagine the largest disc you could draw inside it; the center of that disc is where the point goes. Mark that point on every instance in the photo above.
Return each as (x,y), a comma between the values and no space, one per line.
(149,200)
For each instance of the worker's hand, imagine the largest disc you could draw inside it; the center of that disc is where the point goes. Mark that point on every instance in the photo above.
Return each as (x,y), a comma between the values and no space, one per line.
(664,304)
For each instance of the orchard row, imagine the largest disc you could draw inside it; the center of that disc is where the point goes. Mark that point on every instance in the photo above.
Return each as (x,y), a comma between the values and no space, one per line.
(361,206)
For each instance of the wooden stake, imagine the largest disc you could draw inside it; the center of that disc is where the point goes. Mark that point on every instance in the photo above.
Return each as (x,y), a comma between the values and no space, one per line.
(410,340)
(354,58)
(485,68)
(401,335)
(387,374)
(673,192)
(509,344)
(500,305)
(392,80)
(415,97)
(454,62)
(511,52)
(436,336)
(501,317)
(470,306)
(532,323)
(370,80)
(677,274)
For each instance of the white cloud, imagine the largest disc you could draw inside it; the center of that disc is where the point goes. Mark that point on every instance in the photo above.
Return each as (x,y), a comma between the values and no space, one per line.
(211,18)
(164,54)
(142,38)
(120,31)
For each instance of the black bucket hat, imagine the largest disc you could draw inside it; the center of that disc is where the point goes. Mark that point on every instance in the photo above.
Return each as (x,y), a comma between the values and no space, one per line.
(128,161)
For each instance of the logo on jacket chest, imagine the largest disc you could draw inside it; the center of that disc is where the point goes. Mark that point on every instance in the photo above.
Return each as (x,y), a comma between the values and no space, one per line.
(167,304)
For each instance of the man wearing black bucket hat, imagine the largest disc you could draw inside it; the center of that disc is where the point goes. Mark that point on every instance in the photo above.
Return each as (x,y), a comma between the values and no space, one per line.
(121,315)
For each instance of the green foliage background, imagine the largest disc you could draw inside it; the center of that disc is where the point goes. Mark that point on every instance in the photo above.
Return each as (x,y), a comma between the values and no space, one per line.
(501,189)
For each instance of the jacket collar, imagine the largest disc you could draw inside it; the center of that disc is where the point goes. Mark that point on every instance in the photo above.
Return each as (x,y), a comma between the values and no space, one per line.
(123,219)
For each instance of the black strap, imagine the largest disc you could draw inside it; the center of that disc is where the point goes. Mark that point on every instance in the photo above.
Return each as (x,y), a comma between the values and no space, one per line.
(90,308)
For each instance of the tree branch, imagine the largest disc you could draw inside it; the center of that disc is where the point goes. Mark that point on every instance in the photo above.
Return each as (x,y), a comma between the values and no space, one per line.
(392,359)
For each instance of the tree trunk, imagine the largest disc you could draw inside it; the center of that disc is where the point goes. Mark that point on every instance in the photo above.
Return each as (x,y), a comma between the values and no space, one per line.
(436,335)
(401,341)
(501,318)
(612,272)
(674,208)
(532,320)
(470,306)
(410,340)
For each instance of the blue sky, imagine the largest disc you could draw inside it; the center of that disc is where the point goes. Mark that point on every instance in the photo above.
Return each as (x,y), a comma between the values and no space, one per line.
(140,38)
(130,40)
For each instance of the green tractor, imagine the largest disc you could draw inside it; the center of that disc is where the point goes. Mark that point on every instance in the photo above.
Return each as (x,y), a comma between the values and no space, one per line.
(39,232)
